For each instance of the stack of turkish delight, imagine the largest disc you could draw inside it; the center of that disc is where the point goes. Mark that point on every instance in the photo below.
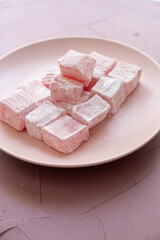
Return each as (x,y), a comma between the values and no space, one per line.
(70,99)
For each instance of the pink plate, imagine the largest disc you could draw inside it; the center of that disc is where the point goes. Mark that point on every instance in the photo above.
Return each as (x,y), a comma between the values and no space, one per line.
(136,123)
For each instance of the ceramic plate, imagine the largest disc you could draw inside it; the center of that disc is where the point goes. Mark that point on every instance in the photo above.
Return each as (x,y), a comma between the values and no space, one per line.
(136,123)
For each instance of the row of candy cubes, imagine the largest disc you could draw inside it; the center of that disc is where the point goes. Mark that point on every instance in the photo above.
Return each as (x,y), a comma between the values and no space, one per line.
(86,87)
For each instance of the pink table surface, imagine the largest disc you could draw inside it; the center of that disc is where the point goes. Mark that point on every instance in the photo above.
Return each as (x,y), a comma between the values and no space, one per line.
(119,200)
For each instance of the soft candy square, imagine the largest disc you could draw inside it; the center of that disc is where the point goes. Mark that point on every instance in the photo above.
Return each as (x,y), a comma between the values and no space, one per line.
(78,66)
(50,74)
(104,62)
(40,117)
(98,73)
(111,90)
(103,66)
(69,106)
(65,89)
(15,107)
(65,134)
(128,73)
(36,90)
(91,112)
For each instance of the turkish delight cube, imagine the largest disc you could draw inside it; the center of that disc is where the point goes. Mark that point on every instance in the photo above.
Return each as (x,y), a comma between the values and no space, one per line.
(50,74)
(128,73)
(78,66)
(104,62)
(65,89)
(15,107)
(36,90)
(98,73)
(65,134)
(112,90)
(91,112)
(103,66)
(69,106)
(40,117)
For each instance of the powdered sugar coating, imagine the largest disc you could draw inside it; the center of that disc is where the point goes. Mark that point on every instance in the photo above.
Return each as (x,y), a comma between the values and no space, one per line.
(15,107)
(66,89)
(103,66)
(36,90)
(40,117)
(128,73)
(68,106)
(91,112)
(65,134)
(77,65)
(98,73)
(103,62)
(111,90)
(50,74)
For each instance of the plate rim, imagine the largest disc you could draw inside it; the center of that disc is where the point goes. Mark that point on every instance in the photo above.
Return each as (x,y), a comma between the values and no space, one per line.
(80,37)
(89,164)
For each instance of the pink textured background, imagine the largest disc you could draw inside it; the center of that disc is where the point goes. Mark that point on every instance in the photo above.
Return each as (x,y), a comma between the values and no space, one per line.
(119,200)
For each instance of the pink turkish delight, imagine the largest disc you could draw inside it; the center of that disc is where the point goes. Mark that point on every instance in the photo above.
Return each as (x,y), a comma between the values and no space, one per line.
(91,112)
(50,74)
(128,73)
(42,116)
(78,66)
(98,73)
(103,66)
(36,90)
(65,89)
(15,107)
(111,90)
(69,106)
(65,134)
